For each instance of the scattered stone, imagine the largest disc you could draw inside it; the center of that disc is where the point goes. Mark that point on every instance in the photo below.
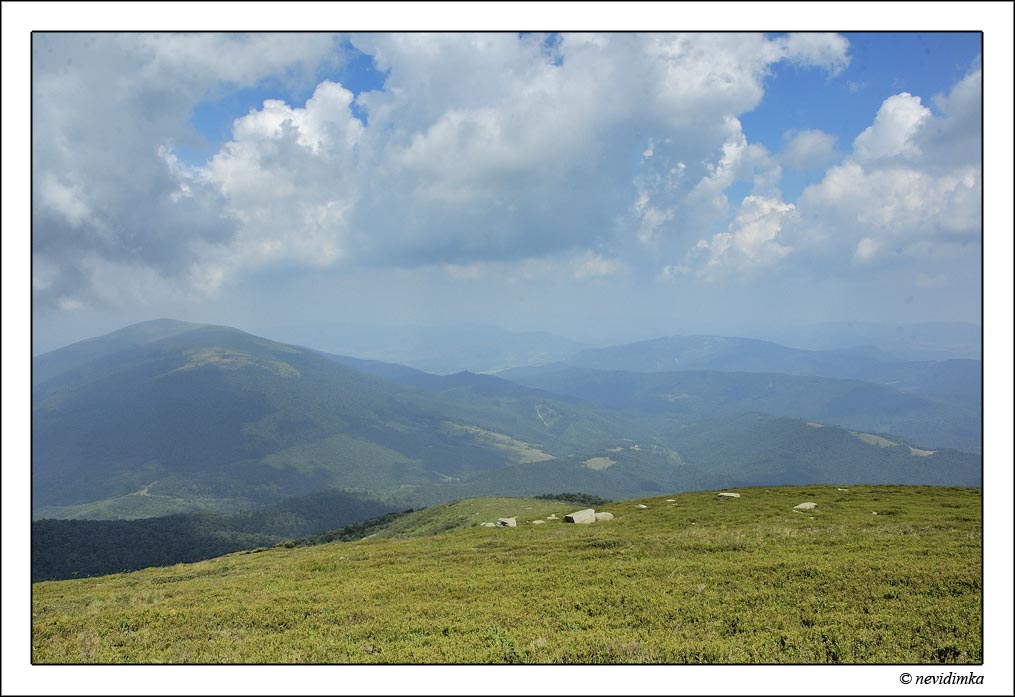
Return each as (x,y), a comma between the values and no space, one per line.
(729,495)
(538,522)
(552,516)
(603,515)
(805,506)
(488,525)
(586,515)
(841,489)
(874,512)
(641,505)
(670,500)
(507,523)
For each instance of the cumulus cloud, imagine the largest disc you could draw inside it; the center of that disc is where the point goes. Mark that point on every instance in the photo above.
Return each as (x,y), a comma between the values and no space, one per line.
(894,131)
(809,149)
(752,240)
(485,149)
(912,182)
(106,108)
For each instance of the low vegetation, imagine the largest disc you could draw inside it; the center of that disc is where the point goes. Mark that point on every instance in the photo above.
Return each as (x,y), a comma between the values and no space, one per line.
(691,578)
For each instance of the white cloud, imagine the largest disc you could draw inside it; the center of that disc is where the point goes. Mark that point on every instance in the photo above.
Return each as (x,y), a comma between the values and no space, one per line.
(752,241)
(810,149)
(894,131)
(828,51)
(866,249)
(592,265)
(912,183)
(479,149)
(67,201)
(105,109)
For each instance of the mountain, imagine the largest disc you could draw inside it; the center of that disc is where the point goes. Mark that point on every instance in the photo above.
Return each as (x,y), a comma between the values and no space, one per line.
(956,381)
(165,418)
(169,417)
(749,449)
(912,342)
(932,422)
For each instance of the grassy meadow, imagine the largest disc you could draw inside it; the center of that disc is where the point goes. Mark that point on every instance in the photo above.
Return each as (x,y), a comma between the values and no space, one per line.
(692,578)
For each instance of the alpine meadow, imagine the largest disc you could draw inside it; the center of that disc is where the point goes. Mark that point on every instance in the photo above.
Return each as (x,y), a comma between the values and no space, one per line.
(509,348)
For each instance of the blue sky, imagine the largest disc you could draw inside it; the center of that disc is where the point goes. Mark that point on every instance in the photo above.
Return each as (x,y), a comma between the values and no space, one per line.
(596,186)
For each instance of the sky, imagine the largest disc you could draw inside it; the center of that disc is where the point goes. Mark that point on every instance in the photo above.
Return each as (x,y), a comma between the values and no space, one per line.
(605,187)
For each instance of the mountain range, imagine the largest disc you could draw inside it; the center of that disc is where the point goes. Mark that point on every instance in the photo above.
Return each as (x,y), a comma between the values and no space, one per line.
(169,417)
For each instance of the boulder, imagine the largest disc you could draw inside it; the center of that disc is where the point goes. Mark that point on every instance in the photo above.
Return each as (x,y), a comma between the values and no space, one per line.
(641,505)
(507,523)
(603,515)
(729,495)
(805,506)
(488,525)
(586,515)
(538,522)
(552,516)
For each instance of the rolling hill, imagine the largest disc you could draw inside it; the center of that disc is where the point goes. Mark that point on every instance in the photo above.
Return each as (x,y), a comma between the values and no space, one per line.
(168,417)
(695,394)
(956,381)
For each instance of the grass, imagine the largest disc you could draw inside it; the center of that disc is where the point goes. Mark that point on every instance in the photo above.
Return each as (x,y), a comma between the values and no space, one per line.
(517,451)
(699,580)
(599,463)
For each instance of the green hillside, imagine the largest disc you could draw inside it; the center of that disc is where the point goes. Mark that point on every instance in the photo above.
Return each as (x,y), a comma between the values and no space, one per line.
(170,418)
(931,421)
(874,574)
(209,418)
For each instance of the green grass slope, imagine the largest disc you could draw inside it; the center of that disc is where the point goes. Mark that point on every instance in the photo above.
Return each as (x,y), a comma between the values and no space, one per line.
(875,574)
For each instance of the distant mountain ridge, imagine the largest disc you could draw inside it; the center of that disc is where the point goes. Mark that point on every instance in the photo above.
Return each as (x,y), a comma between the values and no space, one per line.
(170,417)
(957,380)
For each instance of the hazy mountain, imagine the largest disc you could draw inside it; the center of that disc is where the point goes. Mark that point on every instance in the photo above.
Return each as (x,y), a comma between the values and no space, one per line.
(955,381)
(169,417)
(698,394)
(913,342)
(731,450)
(197,417)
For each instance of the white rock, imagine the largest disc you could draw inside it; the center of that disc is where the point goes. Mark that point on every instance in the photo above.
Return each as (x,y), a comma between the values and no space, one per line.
(729,495)
(603,515)
(841,489)
(488,525)
(586,515)
(670,500)
(538,522)
(641,505)
(805,506)
(507,523)
(552,516)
